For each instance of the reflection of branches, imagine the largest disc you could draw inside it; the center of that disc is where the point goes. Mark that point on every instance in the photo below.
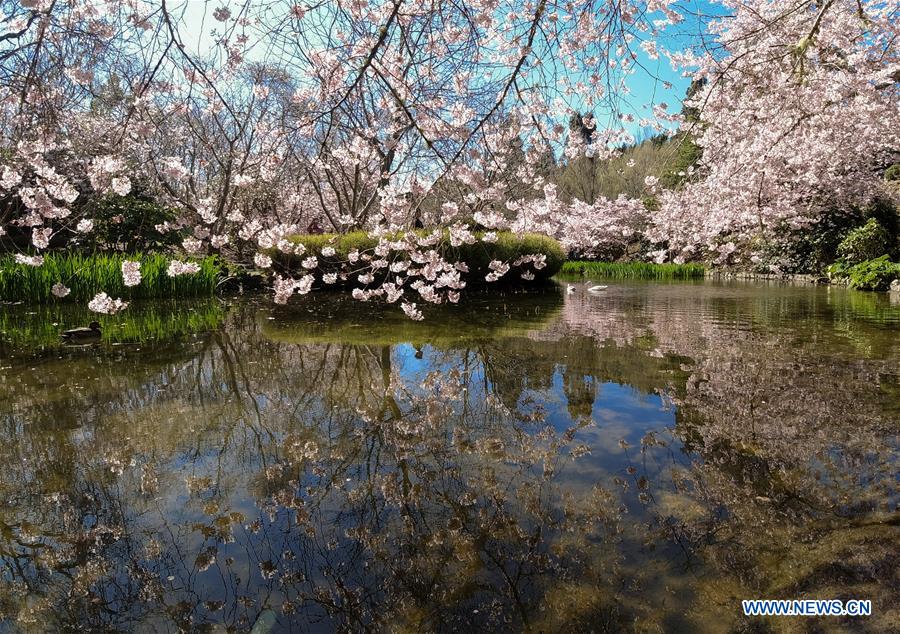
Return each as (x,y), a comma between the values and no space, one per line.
(346,486)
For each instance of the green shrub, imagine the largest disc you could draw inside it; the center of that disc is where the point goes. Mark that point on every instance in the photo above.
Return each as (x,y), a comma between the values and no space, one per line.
(864,243)
(635,270)
(871,275)
(892,173)
(477,256)
(87,275)
(128,224)
(809,249)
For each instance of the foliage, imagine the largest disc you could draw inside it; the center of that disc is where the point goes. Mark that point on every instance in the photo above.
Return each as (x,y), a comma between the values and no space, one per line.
(805,250)
(87,275)
(864,243)
(634,270)
(779,151)
(680,168)
(129,224)
(892,174)
(871,275)
(589,179)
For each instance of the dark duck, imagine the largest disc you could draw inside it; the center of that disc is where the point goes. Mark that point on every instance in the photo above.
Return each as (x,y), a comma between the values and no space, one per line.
(91,333)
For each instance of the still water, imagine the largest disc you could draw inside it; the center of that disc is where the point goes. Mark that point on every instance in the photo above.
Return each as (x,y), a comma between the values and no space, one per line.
(636,460)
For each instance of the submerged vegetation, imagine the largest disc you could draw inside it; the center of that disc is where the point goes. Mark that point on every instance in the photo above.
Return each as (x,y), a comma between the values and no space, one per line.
(87,275)
(635,270)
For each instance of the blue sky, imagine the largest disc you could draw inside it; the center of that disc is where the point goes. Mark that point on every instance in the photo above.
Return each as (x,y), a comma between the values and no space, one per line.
(647,88)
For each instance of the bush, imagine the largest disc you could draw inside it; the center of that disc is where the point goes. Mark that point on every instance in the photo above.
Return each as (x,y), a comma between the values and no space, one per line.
(892,174)
(864,243)
(810,249)
(871,275)
(128,224)
(477,256)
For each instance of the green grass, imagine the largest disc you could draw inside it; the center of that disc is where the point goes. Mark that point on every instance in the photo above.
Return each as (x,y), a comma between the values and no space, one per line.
(477,256)
(634,270)
(87,275)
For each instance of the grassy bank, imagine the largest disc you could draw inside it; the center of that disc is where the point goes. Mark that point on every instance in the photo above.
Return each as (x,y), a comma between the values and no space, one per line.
(87,275)
(477,256)
(634,270)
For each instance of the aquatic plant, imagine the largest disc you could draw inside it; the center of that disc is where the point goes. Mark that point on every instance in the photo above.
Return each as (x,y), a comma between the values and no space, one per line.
(635,270)
(79,277)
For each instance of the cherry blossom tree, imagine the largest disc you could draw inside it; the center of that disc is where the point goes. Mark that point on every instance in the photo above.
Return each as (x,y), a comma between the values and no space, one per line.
(799,117)
(259,120)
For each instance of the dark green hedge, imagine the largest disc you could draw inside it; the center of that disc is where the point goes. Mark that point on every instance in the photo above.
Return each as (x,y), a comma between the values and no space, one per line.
(477,256)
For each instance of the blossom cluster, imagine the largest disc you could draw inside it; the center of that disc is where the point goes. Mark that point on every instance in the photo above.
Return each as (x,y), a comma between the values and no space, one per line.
(103,303)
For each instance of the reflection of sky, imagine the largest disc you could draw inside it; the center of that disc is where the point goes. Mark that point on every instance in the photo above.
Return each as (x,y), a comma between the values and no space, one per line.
(618,413)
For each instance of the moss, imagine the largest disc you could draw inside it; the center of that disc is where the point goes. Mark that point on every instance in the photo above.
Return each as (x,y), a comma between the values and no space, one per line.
(477,256)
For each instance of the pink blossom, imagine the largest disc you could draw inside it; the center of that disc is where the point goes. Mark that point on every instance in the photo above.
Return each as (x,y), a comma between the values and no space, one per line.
(411,311)
(103,303)
(41,237)
(131,273)
(177,267)
(30,260)
(121,185)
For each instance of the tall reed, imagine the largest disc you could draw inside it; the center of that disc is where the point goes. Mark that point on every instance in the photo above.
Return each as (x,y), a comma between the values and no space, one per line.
(88,274)
(634,270)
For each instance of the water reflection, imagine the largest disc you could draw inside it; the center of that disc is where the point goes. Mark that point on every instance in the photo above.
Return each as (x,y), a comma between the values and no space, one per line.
(641,459)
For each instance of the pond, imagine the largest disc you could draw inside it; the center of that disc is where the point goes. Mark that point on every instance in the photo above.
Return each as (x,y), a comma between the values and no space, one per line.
(641,458)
